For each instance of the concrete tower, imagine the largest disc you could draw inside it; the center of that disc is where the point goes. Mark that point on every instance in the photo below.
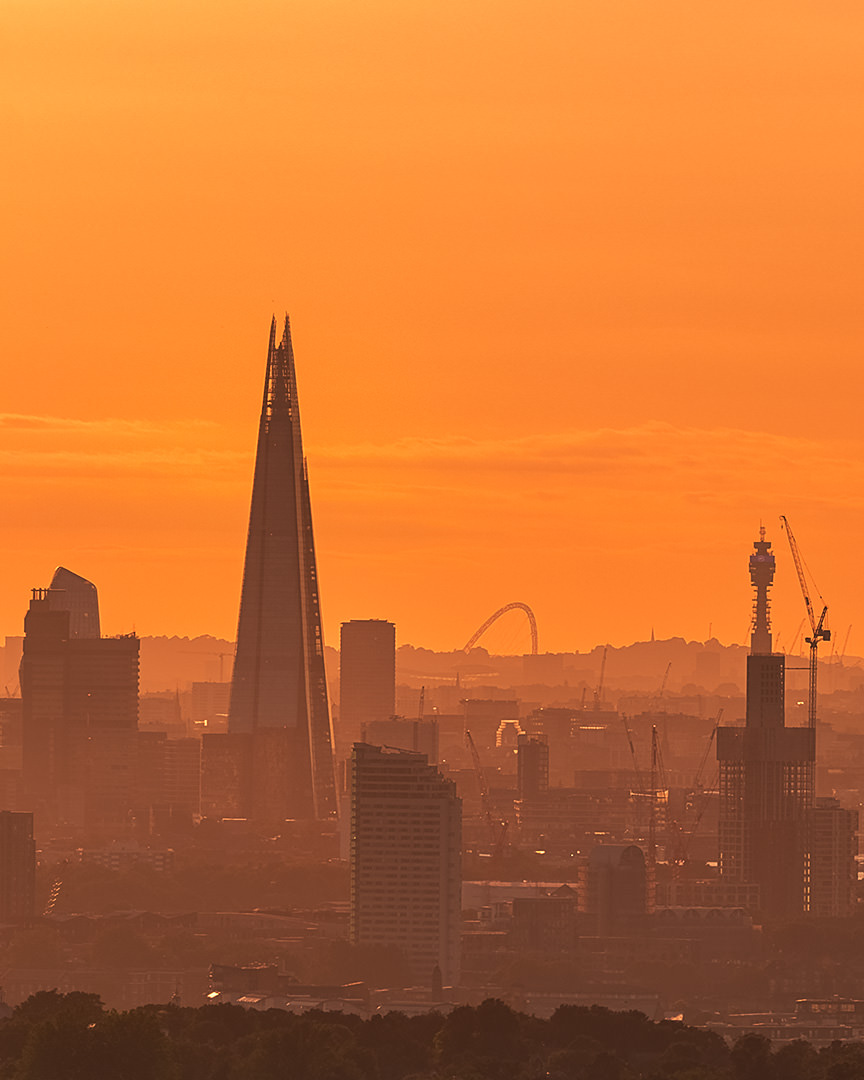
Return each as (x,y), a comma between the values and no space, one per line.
(406,851)
(762,578)
(766,672)
(367,677)
(279,691)
(766,773)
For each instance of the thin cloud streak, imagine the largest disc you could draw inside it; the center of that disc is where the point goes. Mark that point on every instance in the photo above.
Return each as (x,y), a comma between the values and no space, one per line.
(710,466)
(568,450)
(111,425)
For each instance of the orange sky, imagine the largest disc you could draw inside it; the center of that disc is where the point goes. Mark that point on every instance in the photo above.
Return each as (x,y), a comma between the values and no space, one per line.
(575,287)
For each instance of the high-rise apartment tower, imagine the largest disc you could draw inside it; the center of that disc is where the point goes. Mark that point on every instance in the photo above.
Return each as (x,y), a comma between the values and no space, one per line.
(79,699)
(833,865)
(406,850)
(279,691)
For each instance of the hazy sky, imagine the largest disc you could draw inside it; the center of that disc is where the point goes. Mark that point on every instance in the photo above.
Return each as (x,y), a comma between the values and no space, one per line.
(575,289)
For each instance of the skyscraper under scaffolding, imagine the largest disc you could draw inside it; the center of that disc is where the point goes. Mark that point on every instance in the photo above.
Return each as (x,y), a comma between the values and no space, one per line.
(276,761)
(766,773)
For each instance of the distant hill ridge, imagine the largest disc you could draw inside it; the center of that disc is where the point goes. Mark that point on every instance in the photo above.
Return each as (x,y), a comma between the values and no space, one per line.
(175,662)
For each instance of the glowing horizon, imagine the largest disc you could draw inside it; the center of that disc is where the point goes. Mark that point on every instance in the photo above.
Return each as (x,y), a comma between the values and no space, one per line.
(575,294)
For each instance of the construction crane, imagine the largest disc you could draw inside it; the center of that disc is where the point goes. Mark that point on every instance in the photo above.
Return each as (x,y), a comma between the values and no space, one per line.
(676,839)
(221,655)
(818,632)
(640,794)
(639,783)
(699,801)
(794,644)
(842,655)
(599,691)
(497,825)
(697,782)
(652,820)
(658,701)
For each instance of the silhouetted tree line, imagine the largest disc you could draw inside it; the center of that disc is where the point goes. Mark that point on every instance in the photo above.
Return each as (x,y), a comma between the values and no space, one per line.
(53,1036)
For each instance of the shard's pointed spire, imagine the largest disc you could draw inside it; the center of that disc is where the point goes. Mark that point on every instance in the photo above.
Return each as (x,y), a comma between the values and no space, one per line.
(278,683)
(280,384)
(268,380)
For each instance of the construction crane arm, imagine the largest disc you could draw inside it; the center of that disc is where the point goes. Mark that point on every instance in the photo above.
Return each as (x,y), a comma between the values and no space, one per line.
(497,826)
(802,580)
(704,760)
(817,630)
(639,782)
(598,693)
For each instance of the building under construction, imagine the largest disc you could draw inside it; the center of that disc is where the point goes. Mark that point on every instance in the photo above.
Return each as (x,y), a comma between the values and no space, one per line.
(766,773)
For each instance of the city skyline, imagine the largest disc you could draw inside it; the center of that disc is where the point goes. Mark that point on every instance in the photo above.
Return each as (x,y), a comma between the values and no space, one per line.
(606,308)
(472,731)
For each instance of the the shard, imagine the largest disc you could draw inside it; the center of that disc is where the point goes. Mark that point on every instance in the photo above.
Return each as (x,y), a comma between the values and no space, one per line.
(279,710)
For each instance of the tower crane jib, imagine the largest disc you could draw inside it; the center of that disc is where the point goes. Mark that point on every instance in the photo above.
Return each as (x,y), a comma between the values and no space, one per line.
(817,629)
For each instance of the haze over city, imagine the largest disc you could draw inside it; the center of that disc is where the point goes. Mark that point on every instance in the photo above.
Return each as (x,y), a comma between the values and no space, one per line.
(580,281)
(492,721)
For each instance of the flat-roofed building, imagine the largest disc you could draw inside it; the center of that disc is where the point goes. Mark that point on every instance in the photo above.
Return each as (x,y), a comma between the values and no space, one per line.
(367,677)
(833,870)
(406,849)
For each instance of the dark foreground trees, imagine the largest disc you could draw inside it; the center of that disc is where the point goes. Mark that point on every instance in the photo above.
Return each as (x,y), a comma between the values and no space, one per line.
(53,1036)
